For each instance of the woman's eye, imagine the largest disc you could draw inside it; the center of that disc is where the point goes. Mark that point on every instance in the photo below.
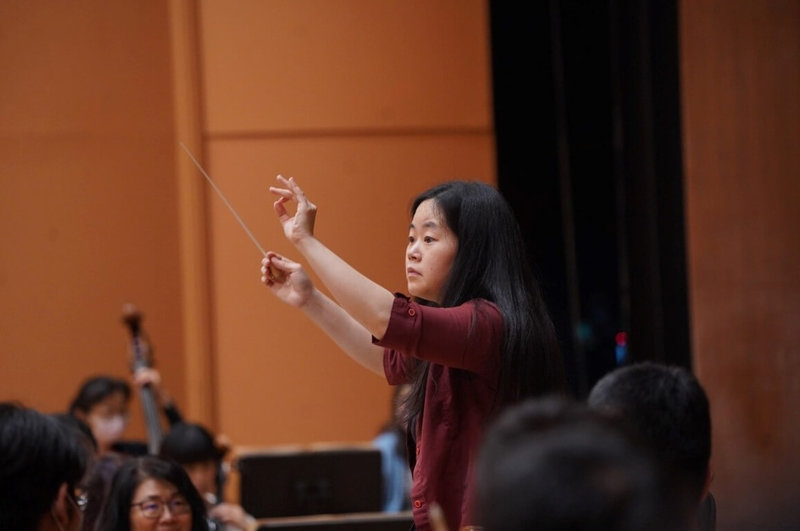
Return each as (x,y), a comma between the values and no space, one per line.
(428,239)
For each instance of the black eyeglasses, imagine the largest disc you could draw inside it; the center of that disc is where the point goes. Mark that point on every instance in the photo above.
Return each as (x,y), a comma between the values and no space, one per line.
(155,508)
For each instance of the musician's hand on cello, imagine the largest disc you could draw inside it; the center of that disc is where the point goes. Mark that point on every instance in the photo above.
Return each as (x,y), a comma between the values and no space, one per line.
(148,376)
(233,515)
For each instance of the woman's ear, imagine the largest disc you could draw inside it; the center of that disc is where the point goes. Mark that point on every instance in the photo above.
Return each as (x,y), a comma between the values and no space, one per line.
(61,510)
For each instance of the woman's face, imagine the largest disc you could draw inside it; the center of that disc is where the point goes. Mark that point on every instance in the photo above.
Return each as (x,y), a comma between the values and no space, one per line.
(158,505)
(108,419)
(430,253)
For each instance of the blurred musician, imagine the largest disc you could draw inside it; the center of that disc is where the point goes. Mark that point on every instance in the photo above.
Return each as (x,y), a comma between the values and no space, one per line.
(194,447)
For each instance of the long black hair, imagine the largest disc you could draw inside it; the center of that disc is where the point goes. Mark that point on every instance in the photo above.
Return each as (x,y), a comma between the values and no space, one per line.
(133,472)
(491,263)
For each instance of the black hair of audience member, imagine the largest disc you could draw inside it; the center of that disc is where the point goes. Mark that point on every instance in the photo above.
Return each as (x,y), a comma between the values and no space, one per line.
(188,443)
(95,389)
(193,447)
(38,455)
(670,409)
(551,463)
(82,428)
(116,514)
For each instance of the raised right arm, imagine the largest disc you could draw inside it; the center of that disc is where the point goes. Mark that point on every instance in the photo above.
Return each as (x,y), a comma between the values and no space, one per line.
(366,301)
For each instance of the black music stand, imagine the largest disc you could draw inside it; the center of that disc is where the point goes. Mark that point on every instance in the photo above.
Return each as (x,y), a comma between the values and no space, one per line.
(340,522)
(337,480)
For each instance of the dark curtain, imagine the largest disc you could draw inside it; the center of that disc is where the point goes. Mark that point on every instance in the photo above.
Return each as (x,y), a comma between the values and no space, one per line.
(587,128)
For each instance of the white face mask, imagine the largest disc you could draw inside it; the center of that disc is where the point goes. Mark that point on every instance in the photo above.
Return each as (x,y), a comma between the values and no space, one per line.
(108,430)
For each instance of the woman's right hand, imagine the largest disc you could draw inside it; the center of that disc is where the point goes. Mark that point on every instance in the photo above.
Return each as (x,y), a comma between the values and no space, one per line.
(300,225)
(287,279)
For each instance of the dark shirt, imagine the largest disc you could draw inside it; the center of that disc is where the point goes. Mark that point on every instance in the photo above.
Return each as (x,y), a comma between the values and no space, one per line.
(463,346)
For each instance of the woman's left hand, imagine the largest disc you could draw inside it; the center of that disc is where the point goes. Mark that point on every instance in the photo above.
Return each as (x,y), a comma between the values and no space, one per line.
(301,225)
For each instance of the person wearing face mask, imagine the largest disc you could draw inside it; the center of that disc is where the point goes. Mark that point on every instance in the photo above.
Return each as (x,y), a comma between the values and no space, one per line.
(103,401)
(42,465)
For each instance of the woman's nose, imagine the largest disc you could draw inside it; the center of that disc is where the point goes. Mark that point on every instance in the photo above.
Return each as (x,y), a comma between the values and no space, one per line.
(167,515)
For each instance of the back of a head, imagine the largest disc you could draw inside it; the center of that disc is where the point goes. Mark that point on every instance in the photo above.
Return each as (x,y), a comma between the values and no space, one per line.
(80,428)
(37,456)
(188,443)
(668,407)
(116,512)
(552,464)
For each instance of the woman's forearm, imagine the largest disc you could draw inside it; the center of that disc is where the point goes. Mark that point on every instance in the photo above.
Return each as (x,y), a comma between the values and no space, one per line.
(346,332)
(367,302)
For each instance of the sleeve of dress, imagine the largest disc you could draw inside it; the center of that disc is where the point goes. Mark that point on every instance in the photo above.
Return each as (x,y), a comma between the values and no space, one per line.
(466,337)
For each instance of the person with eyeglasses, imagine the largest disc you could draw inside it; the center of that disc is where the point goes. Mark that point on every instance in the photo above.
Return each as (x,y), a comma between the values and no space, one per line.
(42,465)
(149,493)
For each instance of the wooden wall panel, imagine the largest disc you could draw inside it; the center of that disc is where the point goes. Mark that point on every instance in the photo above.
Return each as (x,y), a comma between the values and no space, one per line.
(741,112)
(338,65)
(88,200)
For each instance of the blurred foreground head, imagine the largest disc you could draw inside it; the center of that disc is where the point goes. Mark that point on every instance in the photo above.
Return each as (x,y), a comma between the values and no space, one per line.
(669,408)
(554,464)
(42,464)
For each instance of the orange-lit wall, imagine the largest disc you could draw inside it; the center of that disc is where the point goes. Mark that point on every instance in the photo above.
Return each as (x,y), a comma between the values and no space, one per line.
(741,111)
(87,195)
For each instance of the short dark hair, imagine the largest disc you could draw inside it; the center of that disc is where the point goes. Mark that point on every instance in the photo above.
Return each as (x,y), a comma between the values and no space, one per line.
(189,443)
(552,463)
(80,427)
(132,473)
(37,455)
(97,388)
(669,408)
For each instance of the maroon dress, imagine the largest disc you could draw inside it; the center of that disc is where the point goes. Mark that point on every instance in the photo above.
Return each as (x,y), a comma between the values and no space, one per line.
(462,345)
